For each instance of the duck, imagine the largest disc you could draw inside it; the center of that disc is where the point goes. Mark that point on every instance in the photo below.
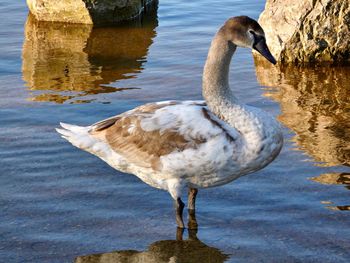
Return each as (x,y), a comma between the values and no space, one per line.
(194,144)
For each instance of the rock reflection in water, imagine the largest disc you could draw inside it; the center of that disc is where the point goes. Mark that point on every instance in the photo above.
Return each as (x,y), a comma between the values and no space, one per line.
(69,61)
(315,104)
(334,179)
(191,250)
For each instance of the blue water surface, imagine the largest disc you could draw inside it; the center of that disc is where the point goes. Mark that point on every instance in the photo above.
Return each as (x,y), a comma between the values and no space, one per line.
(58,203)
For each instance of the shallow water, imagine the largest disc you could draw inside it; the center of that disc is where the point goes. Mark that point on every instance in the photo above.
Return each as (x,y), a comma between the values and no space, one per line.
(59,204)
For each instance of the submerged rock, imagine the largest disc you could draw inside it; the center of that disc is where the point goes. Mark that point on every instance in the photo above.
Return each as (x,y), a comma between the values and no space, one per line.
(306,31)
(87,11)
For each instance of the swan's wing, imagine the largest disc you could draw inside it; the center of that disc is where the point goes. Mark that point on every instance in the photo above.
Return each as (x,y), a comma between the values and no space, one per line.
(147,133)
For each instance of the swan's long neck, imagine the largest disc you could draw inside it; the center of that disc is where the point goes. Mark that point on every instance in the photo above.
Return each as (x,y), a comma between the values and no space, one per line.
(224,104)
(216,89)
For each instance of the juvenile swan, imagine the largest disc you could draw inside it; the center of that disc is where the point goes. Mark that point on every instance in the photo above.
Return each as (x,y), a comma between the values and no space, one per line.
(173,145)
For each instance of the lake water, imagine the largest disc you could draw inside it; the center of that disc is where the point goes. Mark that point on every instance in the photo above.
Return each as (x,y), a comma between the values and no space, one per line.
(60,204)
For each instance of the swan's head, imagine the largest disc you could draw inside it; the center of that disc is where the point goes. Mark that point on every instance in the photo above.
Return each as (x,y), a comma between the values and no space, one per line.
(244,31)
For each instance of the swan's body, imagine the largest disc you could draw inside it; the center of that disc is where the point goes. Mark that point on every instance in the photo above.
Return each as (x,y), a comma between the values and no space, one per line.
(177,144)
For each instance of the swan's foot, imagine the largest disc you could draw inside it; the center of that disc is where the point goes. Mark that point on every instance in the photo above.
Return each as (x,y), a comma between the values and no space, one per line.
(192,235)
(192,221)
(192,193)
(179,206)
(179,233)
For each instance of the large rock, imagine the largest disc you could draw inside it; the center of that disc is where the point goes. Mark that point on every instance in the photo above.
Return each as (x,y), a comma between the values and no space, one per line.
(87,11)
(75,62)
(308,30)
(315,105)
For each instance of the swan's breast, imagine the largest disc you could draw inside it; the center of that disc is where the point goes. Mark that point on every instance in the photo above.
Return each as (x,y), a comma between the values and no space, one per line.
(261,136)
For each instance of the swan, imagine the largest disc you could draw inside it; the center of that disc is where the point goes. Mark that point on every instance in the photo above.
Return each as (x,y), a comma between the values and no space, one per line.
(178,145)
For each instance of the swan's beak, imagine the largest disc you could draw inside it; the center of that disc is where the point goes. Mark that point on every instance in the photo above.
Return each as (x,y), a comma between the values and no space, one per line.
(262,48)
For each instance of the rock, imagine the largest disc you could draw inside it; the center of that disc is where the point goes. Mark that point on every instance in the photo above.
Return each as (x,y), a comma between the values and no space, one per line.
(305,31)
(98,12)
(315,105)
(75,62)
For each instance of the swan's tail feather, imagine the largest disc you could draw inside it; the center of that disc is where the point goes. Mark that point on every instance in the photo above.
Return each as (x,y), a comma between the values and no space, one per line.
(75,128)
(80,137)
(64,133)
(77,135)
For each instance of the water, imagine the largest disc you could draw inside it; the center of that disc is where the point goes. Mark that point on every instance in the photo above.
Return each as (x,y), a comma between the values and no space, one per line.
(59,204)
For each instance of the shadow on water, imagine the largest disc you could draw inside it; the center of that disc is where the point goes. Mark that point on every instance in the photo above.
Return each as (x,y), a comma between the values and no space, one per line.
(315,104)
(179,250)
(69,62)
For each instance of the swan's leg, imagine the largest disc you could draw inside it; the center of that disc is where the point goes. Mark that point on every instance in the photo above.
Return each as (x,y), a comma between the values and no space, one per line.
(192,221)
(175,187)
(192,235)
(179,233)
(192,193)
(179,206)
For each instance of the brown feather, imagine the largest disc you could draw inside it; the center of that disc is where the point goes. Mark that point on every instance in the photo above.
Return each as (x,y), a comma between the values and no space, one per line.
(125,136)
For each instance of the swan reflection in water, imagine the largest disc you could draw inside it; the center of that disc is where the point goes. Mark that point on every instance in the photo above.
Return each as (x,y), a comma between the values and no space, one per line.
(315,104)
(191,250)
(74,62)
